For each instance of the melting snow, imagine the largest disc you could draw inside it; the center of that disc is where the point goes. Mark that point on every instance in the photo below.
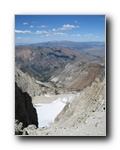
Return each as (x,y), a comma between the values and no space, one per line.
(48,112)
(47,95)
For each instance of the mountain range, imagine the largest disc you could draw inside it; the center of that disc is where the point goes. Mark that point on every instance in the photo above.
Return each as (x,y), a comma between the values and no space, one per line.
(61,69)
(41,61)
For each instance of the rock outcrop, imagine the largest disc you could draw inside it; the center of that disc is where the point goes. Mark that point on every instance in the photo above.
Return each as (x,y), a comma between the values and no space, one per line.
(89,101)
(36,88)
(33,87)
(24,110)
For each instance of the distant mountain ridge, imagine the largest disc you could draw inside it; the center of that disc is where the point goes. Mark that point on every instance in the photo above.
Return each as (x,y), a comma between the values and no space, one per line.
(43,59)
(67,44)
(42,62)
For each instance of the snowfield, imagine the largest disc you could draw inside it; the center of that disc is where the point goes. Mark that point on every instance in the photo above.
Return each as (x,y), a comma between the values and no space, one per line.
(48,112)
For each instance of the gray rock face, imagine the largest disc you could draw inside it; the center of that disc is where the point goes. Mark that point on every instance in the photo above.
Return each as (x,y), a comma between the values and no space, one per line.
(30,130)
(90,100)
(36,88)
(24,110)
(19,129)
(30,85)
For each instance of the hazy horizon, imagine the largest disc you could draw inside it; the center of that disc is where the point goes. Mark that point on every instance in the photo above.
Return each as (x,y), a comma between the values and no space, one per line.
(60,41)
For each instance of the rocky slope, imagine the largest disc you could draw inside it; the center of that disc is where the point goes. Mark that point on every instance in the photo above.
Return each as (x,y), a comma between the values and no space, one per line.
(90,100)
(41,62)
(30,85)
(43,59)
(85,116)
(36,88)
(79,75)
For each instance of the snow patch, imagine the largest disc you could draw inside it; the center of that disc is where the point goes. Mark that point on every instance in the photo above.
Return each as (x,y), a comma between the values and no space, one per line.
(48,112)
(47,95)
(64,100)
(37,105)
(55,79)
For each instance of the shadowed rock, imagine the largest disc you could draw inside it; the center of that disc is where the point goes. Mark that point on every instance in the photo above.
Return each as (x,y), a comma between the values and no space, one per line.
(24,110)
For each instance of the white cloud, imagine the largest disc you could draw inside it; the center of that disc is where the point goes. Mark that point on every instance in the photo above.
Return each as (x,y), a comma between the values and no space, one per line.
(67,27)
(50,33)
(75,21)
(88,35)
(75,35)
(34,22)
(56,34)
(53,32)
(42,26)
(41,32)
(25,23)
(59,33)
(96,36)
(21,38)
(53,29)
(23,32)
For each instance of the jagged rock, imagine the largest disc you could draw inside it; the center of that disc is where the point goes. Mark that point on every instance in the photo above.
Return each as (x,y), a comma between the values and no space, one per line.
(20,130)
(30,130)
(18,127)
(91,99)
(30,85)
(24,110)
(36,88)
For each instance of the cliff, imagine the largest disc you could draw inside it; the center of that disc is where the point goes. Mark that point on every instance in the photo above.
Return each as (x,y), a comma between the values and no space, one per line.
(24,110)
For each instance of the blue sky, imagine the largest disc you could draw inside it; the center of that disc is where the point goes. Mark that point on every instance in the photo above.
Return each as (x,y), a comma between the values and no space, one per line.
(42,28)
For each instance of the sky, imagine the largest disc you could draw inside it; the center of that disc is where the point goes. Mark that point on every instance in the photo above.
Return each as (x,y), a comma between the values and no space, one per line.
(43,28)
